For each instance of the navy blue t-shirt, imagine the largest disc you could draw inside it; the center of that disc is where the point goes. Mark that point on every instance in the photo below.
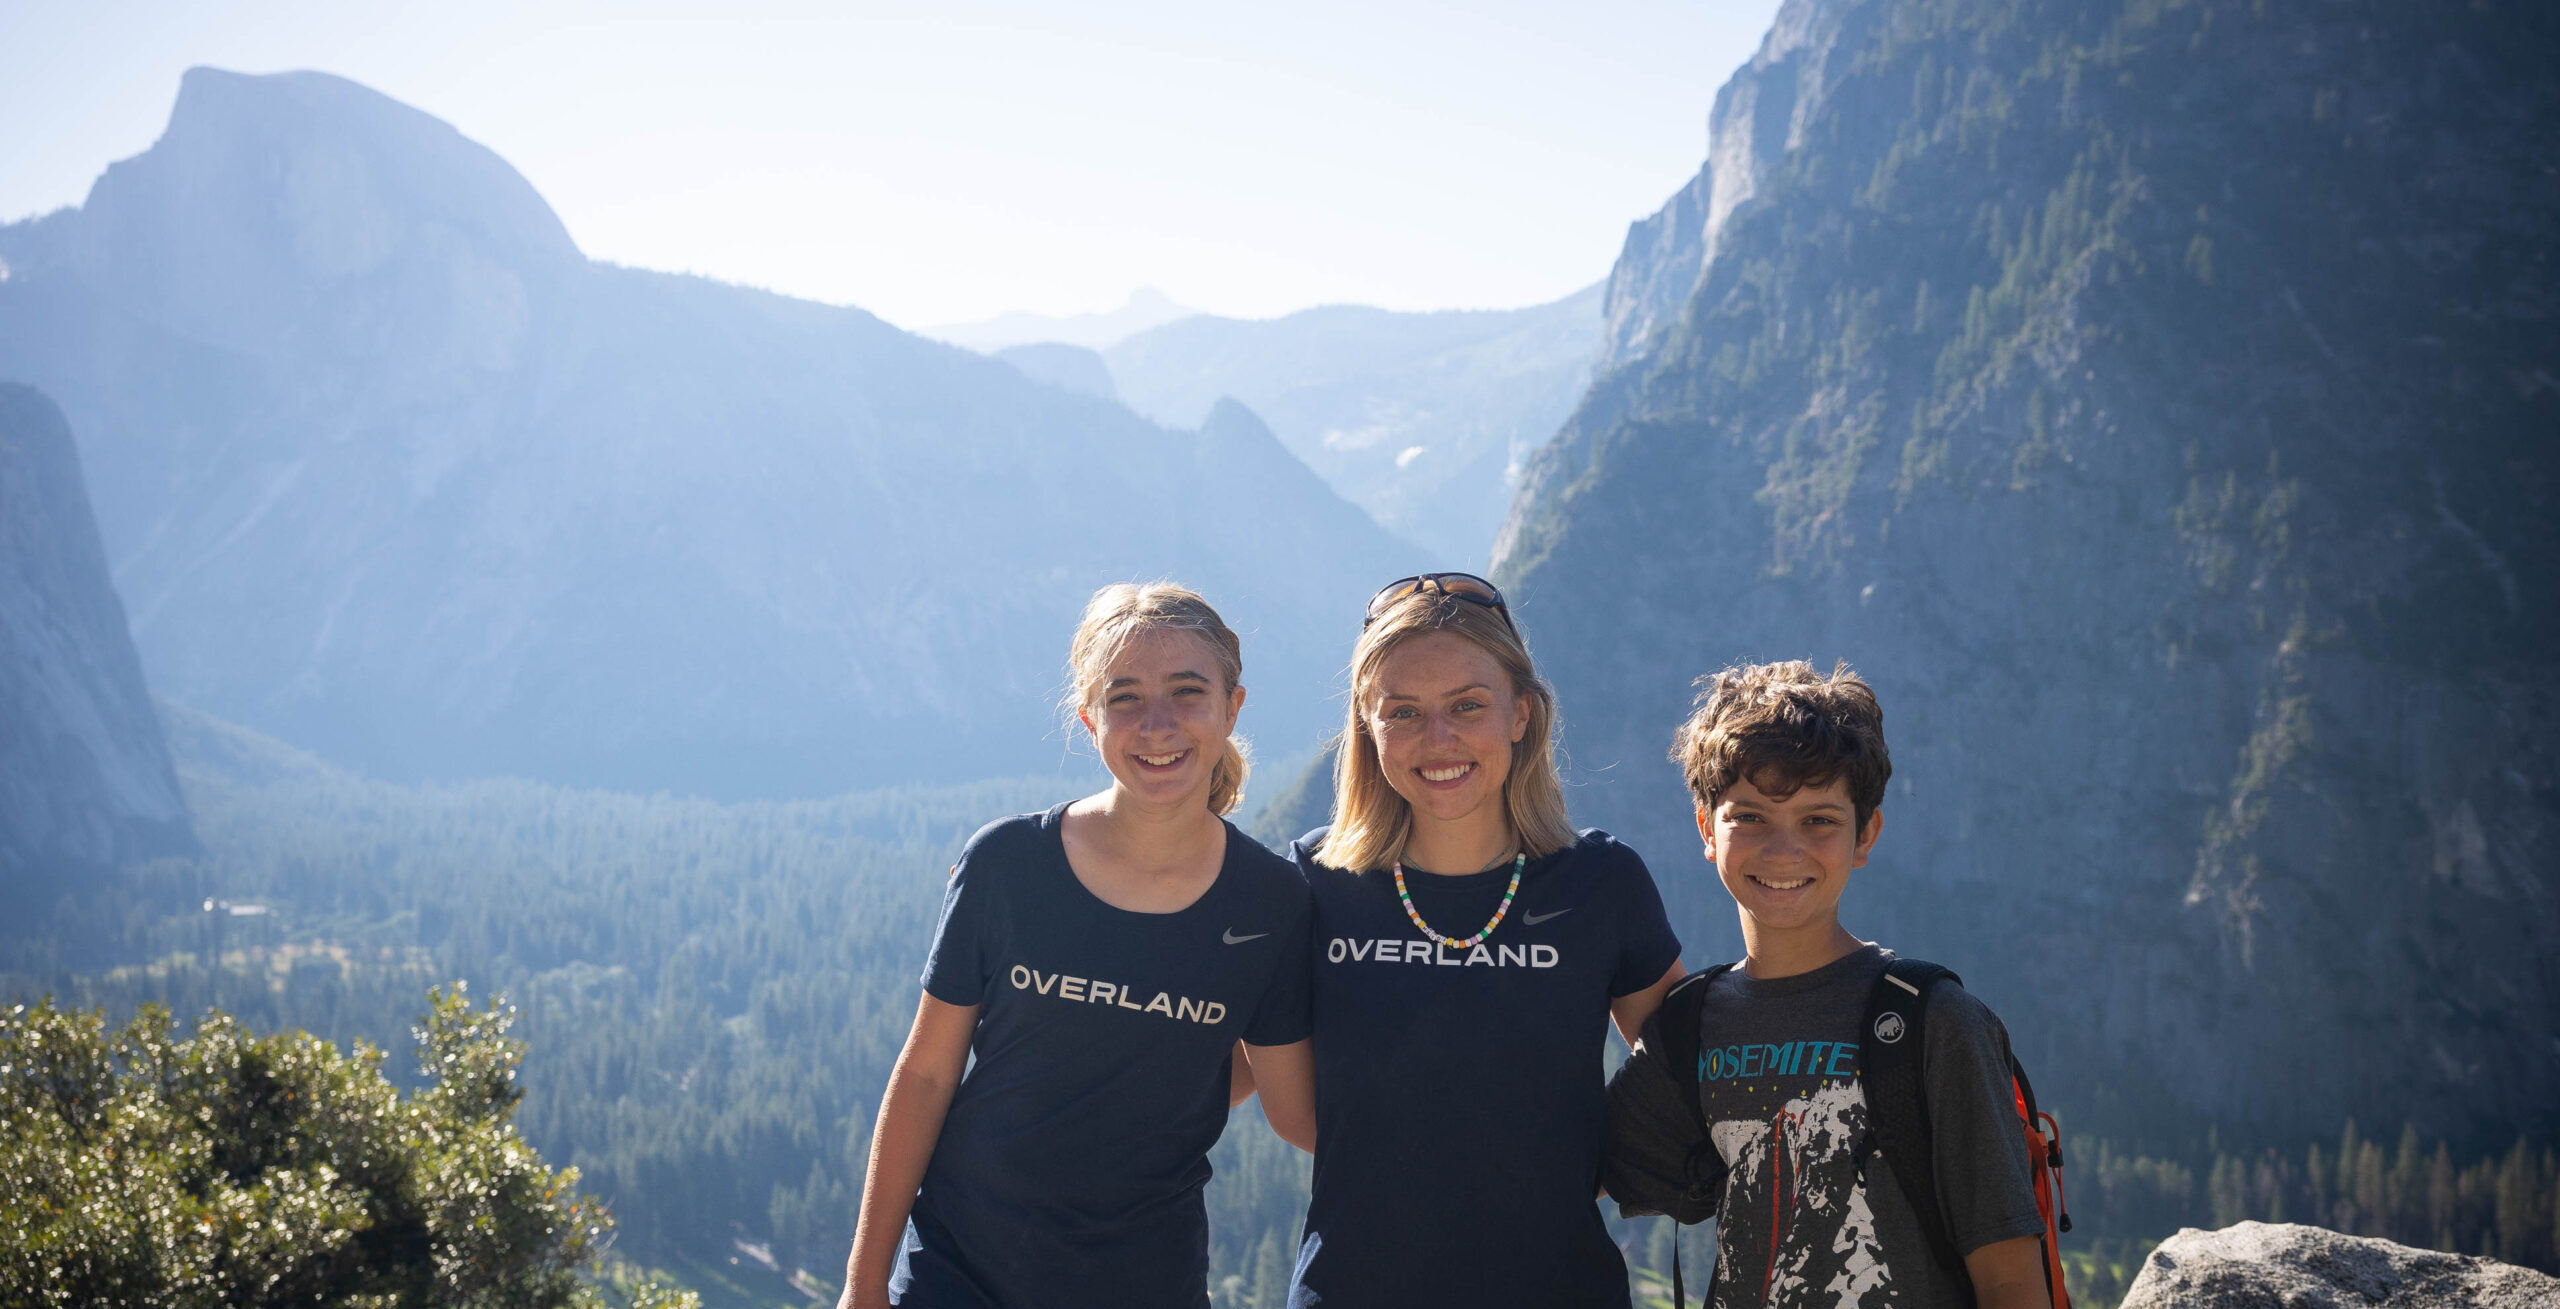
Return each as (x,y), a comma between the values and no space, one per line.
(1460,1095)
(1070,1169)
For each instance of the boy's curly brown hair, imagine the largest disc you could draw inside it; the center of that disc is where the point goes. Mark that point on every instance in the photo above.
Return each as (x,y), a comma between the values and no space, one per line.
(1784,726)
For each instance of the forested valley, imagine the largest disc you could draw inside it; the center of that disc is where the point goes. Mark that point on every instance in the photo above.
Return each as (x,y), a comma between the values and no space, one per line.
(711,995)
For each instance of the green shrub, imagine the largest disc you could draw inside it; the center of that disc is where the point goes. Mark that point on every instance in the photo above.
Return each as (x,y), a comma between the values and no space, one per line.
(231,1169)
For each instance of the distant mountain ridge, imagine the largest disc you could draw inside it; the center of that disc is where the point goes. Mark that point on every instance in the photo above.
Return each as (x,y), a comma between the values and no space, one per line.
(1071,366)
(1145,308)
(85,774)
(1423,419)
(2155,402)
(388,470)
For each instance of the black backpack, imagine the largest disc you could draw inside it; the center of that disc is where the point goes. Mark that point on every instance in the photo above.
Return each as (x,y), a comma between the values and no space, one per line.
(1889,1047)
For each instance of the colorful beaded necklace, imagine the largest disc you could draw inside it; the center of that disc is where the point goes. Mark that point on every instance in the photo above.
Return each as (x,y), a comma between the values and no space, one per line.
(1518,862)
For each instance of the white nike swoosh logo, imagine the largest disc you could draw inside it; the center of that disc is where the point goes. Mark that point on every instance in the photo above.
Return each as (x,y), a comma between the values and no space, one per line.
(1232,939)
(1532,920)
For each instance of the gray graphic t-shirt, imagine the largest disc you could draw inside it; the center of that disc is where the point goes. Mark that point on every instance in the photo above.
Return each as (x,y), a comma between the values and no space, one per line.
(1811,1213)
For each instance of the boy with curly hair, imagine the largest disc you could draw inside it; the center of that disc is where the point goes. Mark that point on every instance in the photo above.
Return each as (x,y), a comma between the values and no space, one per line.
(1787,767)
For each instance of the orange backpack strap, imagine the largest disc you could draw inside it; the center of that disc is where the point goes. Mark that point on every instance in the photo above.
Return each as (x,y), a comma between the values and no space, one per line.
(1890,1051)
(2044,1154)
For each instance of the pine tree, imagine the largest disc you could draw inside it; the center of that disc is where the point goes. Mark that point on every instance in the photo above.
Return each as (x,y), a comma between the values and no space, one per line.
(1270,1273)
(2223,1187)
(2441,1196)
(2408,1182)
(2515,1208)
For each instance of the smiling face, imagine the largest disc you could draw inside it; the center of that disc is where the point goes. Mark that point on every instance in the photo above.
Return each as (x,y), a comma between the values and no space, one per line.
(1786,861)
(1161,716)
(1444,718)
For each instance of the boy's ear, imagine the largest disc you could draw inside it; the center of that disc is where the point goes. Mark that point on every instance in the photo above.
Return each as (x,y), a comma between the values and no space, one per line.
(1707,830)
(1867,838)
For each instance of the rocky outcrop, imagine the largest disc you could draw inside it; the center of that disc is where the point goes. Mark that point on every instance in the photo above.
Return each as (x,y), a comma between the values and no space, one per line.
(388,470)
(2272,1265)
(2155,402)
(85,779)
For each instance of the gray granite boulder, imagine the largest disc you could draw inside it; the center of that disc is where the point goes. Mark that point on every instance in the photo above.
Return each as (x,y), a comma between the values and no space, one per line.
(2290,1266)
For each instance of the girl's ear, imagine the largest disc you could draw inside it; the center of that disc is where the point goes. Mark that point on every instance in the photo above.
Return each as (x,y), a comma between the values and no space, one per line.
(1519,717)
(1085,716)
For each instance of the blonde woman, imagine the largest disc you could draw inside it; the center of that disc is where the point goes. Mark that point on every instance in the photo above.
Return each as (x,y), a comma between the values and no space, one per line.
(1470,951)
(1102,960)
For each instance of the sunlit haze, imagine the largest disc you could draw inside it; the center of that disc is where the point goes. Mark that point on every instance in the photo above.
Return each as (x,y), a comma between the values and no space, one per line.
(944,163)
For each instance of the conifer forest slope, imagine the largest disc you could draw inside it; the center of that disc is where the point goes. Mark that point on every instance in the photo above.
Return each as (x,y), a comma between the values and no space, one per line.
(2157,402)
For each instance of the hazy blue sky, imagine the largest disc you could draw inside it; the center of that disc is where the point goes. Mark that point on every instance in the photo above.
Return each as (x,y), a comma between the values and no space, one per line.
(943,162)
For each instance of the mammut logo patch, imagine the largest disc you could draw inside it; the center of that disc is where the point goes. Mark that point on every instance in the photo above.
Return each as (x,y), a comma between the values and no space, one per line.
(1889,1028)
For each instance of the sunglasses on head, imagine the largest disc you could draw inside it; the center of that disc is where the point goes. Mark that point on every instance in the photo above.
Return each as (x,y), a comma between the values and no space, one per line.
(1457,586)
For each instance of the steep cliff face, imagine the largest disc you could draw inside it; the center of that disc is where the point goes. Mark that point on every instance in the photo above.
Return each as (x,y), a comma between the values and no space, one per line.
(388,470)
(1757,119)
(1655,273)
(295,216)
(2156,402)
(85,779)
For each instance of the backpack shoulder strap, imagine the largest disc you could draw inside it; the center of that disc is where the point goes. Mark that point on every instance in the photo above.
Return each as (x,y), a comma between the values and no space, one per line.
(1889,1055)
(1684,1007)
(1675,1023)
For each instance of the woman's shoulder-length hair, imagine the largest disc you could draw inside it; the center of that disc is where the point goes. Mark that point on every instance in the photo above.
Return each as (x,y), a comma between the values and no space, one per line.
(1371,823)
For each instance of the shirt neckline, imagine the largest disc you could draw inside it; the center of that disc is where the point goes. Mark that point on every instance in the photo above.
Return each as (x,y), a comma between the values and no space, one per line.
(1054,823)
(1761,988)
(1417,878)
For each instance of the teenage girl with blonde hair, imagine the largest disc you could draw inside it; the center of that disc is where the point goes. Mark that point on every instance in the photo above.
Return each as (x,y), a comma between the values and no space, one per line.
(1102,960)
(1470,950)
